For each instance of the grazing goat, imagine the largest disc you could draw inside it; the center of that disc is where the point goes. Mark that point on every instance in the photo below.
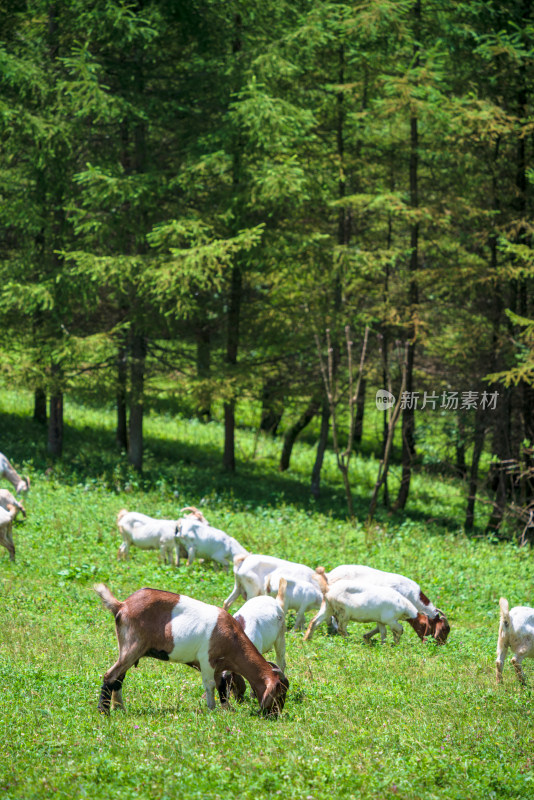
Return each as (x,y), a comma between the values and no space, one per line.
(199,539)
(172,627)
(438,624)
(365,602)
(516,630)
(10,503)
(264,621)
(251,572)
(148,533)
(9,472)
(6,531)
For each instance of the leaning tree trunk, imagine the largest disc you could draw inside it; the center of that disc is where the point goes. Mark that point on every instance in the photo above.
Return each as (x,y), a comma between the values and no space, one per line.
(271,407)
(295,430)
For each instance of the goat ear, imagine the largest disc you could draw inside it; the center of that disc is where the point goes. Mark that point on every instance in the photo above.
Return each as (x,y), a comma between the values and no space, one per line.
(283,680)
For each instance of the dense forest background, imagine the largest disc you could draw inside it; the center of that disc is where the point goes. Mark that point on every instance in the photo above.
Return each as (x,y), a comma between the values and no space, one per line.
(283,204)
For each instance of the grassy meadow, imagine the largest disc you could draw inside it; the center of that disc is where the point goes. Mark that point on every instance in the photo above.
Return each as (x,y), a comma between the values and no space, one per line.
(360,721)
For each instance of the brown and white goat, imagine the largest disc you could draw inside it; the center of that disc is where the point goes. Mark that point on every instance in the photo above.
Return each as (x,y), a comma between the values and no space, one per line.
(516,631)
(438,624)
(365,602)
(9,472)
(6,532)
(10,503)
(172,627)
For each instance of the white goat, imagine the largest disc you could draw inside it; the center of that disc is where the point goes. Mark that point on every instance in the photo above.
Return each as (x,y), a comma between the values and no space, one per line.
(264,621)
(148,533)
(199,539)
(251,572)
(439,626)
(516,630)
(6,531)
(10,503)
(176,628)
(365,602)
(9,472)
(303,591)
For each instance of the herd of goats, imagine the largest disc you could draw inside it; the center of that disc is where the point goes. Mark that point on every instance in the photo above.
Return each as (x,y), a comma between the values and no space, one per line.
(228,649)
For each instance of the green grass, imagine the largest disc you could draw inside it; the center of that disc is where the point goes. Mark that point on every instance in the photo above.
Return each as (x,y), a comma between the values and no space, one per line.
(413,721)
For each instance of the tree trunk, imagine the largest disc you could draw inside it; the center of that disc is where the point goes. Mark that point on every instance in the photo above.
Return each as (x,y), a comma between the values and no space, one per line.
(137,379)
(502,449)
(39,406)
(408,418)
(203,337)
(344,224)
(55,425)
(229,437)
(236,284)
(408,450)
(524,238)
(295,430)
(321,448)
(478,446)
(360,409)
(234,312)
(122,379)
(461,467)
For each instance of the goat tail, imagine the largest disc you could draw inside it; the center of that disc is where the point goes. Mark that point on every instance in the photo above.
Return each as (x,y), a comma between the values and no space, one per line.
(505,612)
(281,596)
(239,558)
(107,598)
(320,578)
(121,514)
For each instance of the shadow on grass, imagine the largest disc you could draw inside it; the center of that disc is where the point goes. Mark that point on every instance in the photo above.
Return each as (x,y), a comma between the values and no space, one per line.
(90,456)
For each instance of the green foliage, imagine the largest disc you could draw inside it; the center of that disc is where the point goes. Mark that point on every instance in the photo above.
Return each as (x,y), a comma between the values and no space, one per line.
(219,183)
